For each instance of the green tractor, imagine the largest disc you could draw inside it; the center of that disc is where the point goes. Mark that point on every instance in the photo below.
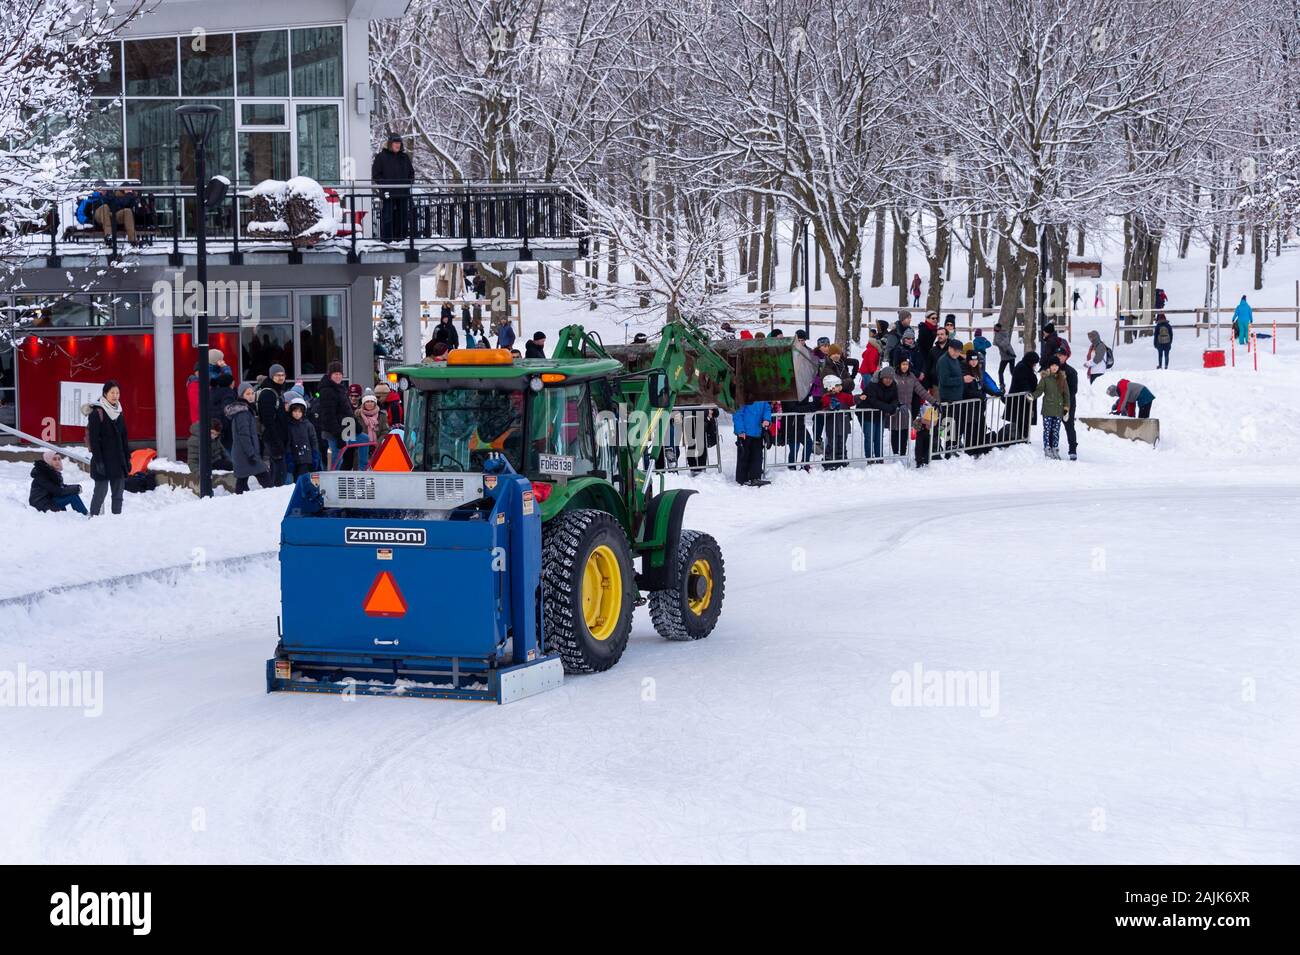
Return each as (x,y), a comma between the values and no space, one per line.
(585,427)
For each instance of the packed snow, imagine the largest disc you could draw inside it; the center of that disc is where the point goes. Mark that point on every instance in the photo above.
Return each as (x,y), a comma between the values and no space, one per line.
(1004,659)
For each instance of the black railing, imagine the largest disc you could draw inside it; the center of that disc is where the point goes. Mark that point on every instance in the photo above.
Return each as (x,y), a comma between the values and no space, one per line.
(367,217)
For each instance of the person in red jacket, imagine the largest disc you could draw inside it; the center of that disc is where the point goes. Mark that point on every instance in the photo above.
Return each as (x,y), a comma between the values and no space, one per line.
(192,394)
(1132,399)
(871,356)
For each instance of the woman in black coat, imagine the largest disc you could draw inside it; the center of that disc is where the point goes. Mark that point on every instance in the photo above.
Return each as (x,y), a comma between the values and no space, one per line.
(1021,410)
(109,450)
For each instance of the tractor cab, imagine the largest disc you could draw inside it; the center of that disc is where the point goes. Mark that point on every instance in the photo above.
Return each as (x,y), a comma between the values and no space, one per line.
(545,416)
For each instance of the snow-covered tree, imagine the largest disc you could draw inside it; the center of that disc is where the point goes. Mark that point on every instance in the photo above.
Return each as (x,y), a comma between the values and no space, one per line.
(50,51)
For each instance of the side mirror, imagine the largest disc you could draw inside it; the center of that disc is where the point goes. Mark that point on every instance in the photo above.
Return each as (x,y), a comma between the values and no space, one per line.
(657,390)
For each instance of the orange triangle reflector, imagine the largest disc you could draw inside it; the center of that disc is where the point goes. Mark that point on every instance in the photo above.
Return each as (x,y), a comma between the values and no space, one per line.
(384,599)
(392,455)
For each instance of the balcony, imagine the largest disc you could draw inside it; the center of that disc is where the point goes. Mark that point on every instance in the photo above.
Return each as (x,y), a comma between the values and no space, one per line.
(433,222)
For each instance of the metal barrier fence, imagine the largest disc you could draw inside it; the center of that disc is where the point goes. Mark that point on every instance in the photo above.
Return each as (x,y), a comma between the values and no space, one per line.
(691,443)
(835,439)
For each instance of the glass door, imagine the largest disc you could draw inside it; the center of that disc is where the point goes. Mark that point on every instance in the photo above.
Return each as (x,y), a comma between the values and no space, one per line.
(321,331)
(317,149)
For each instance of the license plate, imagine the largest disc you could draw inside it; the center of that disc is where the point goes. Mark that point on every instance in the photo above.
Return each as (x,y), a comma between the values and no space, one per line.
(560,465)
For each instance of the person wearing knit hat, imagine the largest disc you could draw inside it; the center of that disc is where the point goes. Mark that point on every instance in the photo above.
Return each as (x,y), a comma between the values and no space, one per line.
(390,401)
(273,421)
(372,425)
(48,492)
(245,451)
(302,452)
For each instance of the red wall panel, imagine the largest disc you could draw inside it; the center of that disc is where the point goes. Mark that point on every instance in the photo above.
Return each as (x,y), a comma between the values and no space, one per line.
(127,358)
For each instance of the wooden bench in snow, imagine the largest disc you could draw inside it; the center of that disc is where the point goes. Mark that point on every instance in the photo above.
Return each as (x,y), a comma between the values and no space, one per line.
(1135,429)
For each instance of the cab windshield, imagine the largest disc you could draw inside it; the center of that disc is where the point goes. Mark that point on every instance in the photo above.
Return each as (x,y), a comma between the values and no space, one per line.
(463,427)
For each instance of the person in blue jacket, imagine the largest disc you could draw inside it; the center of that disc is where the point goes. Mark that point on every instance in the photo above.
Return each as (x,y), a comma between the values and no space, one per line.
(751,422)
(1241,319)
(506,334)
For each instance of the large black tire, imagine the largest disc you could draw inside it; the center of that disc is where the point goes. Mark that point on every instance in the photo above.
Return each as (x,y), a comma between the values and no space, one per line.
(587,626)
(689,610)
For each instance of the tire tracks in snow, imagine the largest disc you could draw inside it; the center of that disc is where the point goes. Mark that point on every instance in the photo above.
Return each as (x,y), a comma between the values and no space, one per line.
(170,574)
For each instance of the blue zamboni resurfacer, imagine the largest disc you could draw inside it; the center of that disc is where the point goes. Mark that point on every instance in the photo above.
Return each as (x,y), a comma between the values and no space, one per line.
(413,584)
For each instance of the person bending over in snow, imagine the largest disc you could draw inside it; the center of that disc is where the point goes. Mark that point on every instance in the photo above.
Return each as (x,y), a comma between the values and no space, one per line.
(1132,399)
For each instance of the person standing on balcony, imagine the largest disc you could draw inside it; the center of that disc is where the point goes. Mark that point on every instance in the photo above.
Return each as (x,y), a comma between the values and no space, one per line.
(392,174)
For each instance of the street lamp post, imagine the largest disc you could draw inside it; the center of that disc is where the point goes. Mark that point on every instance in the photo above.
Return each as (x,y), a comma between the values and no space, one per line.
(199,121)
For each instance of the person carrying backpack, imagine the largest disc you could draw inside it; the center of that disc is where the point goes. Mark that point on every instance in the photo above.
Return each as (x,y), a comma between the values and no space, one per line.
(1100,358)
(1163,338)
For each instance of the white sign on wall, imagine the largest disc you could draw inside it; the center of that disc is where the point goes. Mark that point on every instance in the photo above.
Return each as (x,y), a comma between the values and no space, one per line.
(74,394)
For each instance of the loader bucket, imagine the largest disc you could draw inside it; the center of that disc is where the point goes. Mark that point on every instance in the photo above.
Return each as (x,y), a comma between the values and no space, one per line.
(763,369)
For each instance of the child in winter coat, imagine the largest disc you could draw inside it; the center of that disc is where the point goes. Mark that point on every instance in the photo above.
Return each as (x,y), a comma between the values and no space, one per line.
(835,398)
(1054,389)
(302,454)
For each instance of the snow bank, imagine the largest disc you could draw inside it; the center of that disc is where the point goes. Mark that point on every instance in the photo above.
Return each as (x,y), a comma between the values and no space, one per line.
(166,527)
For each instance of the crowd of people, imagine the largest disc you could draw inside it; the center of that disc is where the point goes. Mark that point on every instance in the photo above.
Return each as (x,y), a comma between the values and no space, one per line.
(910,378)
(273,432)
(906,381)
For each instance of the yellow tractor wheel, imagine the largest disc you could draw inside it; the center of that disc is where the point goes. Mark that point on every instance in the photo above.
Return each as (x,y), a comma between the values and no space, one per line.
(588,589)
(689,609)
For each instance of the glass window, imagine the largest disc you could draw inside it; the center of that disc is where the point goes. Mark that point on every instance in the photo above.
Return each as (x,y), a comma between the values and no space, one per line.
(273,307)
(262,61)
(208,65)
(318,61)
(263,155)
(108,81)
(126,309)
(153,131)
(220,146)
(560,423)
(74,312)
(151,67)
(318,141)
(466,426)
(320,331)
(104,140)
(261,346)
(261,114)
